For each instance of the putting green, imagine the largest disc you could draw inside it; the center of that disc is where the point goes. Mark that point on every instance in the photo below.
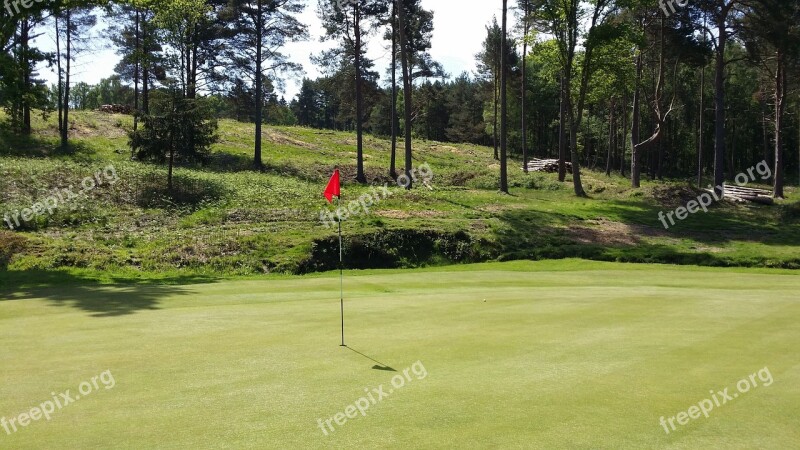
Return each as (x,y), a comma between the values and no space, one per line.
(561,354)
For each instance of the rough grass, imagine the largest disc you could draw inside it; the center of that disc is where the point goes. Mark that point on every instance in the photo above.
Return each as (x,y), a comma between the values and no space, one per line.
(229,220)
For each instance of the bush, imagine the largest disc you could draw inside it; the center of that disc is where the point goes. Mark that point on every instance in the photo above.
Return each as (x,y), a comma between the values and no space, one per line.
(10,244)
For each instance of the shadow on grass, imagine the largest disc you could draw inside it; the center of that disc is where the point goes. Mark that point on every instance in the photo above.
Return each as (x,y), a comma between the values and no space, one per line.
(720,224)
(223,162)
(13,143)
(124,297)
(379,366)
(151,191)
(536,236)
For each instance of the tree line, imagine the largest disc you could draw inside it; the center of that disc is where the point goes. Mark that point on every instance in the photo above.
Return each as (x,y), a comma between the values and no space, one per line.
(642,87)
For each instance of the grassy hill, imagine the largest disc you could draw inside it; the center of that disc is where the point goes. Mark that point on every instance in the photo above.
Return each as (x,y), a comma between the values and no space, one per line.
(229,220)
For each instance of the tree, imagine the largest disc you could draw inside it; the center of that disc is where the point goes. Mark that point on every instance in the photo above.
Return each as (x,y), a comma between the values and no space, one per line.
(773,38)
(489,67)
(504,104)
(565,20)
(184,132)
(394,32)
(20,89)
(415,31)
(260,29)
(405,62)
(141,54)
(465,110)
(77,23)
(524,6)
(720,12)
(346,21)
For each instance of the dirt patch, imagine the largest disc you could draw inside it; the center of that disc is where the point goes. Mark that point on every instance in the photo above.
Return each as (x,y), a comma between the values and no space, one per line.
(283,139)
(674,196)
(398,214)
(602,231)
(606,233)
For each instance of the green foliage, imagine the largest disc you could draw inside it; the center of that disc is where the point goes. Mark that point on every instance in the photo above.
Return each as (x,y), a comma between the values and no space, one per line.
(10,244)
(185,132)
(229,220)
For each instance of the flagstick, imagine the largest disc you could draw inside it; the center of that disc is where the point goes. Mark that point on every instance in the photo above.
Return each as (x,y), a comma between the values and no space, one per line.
(341,274)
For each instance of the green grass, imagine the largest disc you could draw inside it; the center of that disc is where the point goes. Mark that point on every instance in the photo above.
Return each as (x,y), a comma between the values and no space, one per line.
(568,354)
(227,220)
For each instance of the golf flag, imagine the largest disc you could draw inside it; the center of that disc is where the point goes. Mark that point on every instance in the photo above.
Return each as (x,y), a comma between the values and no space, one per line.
(334,188)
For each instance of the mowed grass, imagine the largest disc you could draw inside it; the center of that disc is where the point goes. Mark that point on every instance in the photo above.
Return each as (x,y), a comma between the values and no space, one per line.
(561,354)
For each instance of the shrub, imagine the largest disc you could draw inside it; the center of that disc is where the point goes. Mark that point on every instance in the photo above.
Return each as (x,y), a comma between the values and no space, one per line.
(10,244)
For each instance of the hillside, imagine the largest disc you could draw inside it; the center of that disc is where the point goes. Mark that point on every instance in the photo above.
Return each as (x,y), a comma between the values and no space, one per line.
(229,220)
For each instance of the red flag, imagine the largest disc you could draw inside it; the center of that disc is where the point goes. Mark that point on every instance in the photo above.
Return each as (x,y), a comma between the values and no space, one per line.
(334,188)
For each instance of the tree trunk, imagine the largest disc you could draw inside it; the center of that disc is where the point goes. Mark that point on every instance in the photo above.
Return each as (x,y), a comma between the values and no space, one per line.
(404,59)
(137,64)
(635,166)
(700,132)
(562,137)
(767,152)
(257,161)
(611,132)
(504,104)
(191,66)
(622,159)
(360,177)
(494,127)
(393,163)
(659,172)
(65,130)
(780,108)
(574,124)
(524,89)
(60,79)
(719,104)
(25,32)
(145,67)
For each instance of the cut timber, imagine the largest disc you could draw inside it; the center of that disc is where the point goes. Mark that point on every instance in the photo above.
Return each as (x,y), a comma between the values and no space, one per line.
(744,194)
(546,165)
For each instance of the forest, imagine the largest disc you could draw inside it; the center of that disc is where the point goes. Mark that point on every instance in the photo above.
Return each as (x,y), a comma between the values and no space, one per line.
(696,90)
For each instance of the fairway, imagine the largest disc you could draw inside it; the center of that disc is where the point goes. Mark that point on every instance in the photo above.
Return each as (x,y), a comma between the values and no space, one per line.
(553,354)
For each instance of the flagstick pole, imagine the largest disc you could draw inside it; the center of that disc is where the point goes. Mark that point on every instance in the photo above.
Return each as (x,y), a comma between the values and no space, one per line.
(341,274)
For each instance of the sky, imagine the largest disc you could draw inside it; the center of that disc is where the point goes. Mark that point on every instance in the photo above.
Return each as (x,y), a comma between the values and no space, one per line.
(458,35)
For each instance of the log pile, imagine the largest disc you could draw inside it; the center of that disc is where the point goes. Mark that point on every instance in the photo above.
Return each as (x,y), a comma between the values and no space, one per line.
(116,109)
(546,165)
(742,194)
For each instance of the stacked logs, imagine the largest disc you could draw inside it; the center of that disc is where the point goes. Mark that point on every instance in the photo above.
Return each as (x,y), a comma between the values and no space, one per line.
(546,165)
(116,109)
(745,194)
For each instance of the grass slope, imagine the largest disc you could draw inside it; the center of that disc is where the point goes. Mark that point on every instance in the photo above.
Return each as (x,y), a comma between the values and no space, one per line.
(568,354)
(228,220)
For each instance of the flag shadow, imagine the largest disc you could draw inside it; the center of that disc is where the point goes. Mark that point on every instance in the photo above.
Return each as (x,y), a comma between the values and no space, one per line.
(379,366)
